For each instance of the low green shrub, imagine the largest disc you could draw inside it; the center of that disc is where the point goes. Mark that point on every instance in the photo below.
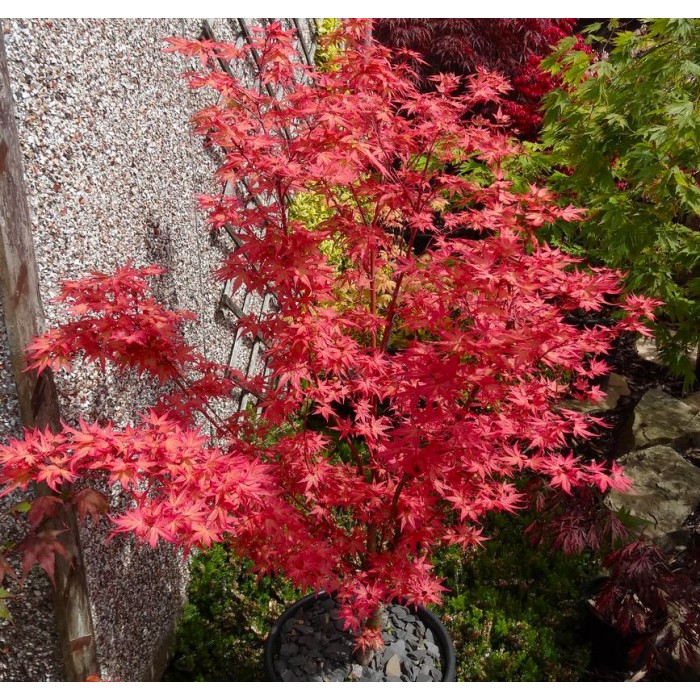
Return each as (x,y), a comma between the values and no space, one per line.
(224,625)
(513,613)
(514,610)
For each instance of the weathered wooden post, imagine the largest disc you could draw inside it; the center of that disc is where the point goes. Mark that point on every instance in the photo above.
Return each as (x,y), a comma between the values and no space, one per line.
(38,401)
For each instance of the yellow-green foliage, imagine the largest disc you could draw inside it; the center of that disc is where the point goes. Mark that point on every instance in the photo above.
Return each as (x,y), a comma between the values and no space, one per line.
(328,49)
(311,210)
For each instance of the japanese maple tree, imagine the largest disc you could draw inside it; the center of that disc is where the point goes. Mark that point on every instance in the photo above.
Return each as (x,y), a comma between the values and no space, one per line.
(406,395)
(511,47)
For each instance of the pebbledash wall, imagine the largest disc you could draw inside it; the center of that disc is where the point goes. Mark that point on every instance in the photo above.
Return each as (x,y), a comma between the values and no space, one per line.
(111,171)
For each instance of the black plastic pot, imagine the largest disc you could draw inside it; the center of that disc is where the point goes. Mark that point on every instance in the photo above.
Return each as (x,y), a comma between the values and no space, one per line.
(431,621)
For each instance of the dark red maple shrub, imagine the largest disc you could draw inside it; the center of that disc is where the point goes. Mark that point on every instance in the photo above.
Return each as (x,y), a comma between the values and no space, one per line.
(513,48)
(408,395)
(653,599)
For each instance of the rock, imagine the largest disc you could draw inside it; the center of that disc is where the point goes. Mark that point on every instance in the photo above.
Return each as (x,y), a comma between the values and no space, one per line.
(398,647)
(297,661)
(692,400)
(356,671)
(303,629)
(338,652)
(423,678)
(647,350)
(310,668)
(338,676)
(666,490)
(399,612)
(427,666)
(393,667)
(288,676)
(433,650)
(659,419)
(615,387)
(429,637)
(289,649)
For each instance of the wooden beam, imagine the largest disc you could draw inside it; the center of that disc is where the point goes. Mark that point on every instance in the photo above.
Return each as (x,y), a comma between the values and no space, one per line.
(38,400)
(308,53)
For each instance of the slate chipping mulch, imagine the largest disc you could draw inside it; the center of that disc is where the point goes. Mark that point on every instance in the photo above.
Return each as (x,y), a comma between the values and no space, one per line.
(315,648)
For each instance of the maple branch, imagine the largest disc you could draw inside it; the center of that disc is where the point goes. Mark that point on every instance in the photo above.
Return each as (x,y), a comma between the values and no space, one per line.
(394,299)
(394,511)
(182,383)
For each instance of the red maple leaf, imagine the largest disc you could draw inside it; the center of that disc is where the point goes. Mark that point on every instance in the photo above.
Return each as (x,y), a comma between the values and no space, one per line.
(42,549)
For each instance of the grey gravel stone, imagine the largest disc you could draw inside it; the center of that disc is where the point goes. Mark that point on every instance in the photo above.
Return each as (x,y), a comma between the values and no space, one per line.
(436,674)
(289,649)
(338,651)
(399,611)
(338,675)
(398,647)
(356,671)
(393,666)
(433,650)
(417,655)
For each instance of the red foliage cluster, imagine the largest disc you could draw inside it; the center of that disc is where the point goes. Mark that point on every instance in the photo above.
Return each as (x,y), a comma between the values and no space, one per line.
(407,395)
(513,48)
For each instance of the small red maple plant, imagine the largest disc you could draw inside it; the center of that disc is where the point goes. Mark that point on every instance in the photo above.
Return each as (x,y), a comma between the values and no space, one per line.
(410,392)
